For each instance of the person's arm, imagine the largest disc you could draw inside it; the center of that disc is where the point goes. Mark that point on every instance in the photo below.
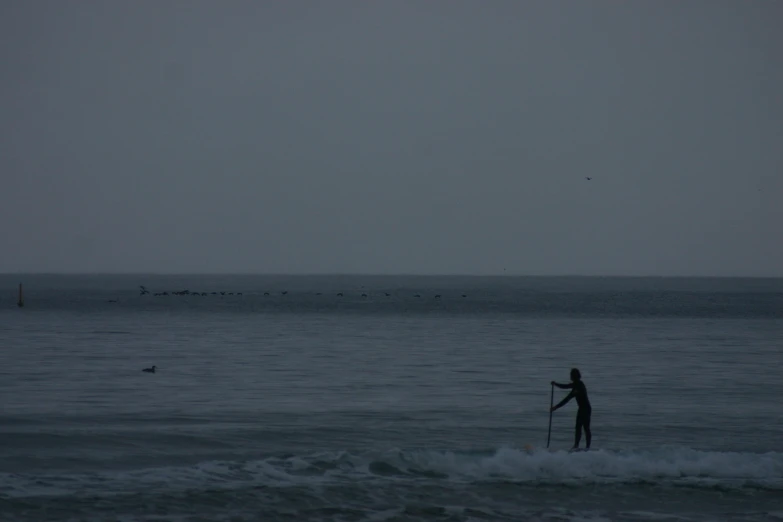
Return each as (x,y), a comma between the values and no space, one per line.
(564,401)
(563,386)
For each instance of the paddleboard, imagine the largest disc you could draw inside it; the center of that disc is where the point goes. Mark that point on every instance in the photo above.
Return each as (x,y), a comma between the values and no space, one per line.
(530,449)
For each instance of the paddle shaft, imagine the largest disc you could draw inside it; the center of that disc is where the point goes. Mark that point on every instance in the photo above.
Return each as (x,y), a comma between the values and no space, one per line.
(551,403)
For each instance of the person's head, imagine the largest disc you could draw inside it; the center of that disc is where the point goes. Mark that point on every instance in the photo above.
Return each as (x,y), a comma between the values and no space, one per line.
(575,375)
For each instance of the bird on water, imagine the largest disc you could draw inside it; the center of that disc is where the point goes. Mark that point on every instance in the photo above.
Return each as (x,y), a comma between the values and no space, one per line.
(150,370)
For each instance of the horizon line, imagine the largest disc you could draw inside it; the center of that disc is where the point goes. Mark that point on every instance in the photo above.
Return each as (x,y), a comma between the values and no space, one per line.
(397,274)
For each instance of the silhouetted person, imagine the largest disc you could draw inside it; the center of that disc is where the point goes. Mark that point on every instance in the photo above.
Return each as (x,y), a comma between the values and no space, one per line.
(578,392)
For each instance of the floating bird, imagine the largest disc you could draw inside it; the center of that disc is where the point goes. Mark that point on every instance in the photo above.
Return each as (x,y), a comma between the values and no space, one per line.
(150,370)
(588,178)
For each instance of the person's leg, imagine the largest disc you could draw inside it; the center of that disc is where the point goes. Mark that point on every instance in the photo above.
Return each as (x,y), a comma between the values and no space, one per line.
(578,434)
(586,424)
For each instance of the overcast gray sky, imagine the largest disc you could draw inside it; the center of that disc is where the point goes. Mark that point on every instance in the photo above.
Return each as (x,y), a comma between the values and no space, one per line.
(392,137)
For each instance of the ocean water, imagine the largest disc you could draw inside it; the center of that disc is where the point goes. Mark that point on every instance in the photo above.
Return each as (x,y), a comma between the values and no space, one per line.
(312,406)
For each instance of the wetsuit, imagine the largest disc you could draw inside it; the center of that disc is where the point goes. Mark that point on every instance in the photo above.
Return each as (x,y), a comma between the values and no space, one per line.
(579,392)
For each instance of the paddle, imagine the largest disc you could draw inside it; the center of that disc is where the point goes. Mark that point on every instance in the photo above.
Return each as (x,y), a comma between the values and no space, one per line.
(551,403)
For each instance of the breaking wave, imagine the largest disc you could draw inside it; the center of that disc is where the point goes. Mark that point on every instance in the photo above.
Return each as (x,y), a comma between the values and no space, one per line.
(675,467)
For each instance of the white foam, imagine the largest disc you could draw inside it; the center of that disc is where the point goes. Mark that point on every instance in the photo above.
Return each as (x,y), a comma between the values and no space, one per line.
(665,466)
(669,465)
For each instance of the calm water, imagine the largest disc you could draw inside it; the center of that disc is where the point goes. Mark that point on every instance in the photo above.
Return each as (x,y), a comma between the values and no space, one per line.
(324,407)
